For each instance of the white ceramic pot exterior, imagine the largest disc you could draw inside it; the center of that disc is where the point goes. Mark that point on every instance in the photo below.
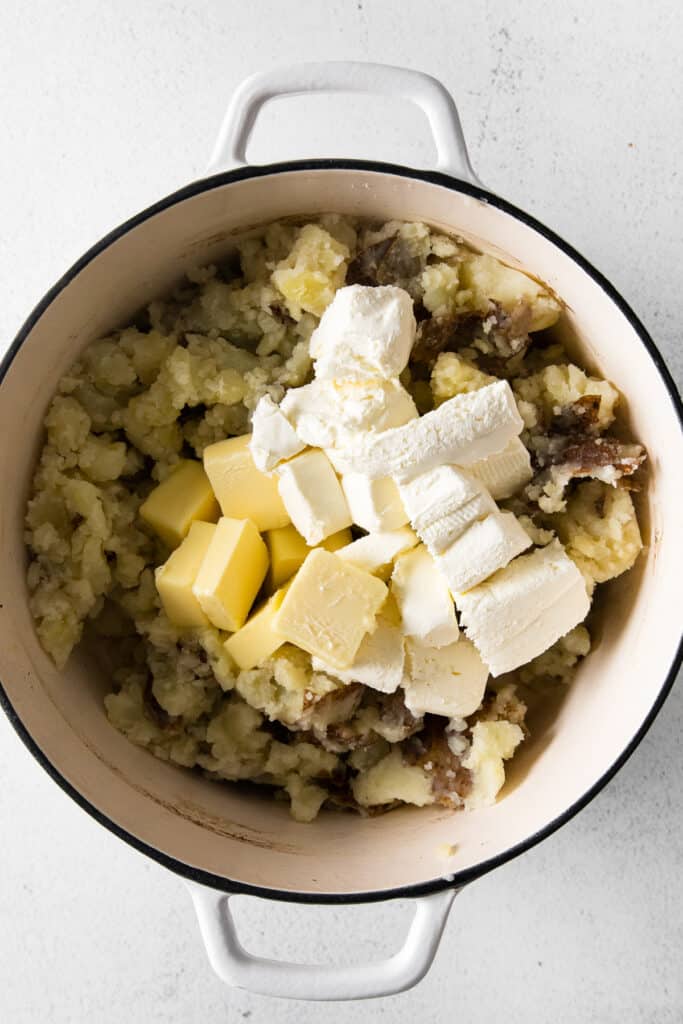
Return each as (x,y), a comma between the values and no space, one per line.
(435,102)
(225,838)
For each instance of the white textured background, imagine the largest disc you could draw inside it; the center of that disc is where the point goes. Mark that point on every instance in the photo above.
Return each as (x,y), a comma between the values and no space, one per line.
(572,111)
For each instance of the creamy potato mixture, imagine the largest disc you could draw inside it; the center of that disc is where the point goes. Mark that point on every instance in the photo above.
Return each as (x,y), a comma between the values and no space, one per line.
(337,509)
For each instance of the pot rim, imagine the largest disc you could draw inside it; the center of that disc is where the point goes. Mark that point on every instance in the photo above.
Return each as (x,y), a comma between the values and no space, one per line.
(460,878)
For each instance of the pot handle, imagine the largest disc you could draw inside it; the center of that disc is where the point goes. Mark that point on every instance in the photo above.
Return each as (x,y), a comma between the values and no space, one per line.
(351,77)
(236,967)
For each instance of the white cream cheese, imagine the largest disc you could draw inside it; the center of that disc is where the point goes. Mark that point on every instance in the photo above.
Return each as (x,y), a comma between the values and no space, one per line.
(378,549)
(364,333)
(504,473)
(273,437)
(463,430)
(525,608)
(374,504)
(312,496)
(422,595)
(483,548)
(332,414)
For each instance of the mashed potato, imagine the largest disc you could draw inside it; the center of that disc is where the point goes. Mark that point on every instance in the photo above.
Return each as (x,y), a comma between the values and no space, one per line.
(190,372)
(600,531)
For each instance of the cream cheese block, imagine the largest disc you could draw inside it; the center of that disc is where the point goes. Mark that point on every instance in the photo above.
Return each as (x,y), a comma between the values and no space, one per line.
(273,437)
(524,608)
(378,549)
(364,332)
(442,503)
(440,535)
(549,626)
(485,547)
(504,473)
(423,598)
(330,414)
(312,495)
(374,504)
(463,430)
(448,681)
(438,492)
(506,605)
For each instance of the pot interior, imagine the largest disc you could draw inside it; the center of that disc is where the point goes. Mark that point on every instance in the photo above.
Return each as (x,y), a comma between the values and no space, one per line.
(235,832)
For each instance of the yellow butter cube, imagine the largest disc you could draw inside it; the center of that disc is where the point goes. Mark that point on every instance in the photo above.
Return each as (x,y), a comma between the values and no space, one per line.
(231,573)
(338,540)
(185,495)
(329,608)
(175,578)
(243,492)
(288,550)
(257,640)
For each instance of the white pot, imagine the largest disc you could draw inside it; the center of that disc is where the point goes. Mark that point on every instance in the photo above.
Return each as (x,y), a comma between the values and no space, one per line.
(220,839)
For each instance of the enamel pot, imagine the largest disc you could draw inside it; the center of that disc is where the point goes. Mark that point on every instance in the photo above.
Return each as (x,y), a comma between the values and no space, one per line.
(222,839)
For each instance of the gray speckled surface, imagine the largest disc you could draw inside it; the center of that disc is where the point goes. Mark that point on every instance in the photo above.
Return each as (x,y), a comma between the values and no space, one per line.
(575,116)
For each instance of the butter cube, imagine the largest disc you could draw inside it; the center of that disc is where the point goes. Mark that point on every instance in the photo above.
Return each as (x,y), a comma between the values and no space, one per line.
(257,640)
(380,660)
(338,540)
(231,573)
(175,578)
(243,492)
(329,608)
(288,550)
(313,496)
(185,495)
